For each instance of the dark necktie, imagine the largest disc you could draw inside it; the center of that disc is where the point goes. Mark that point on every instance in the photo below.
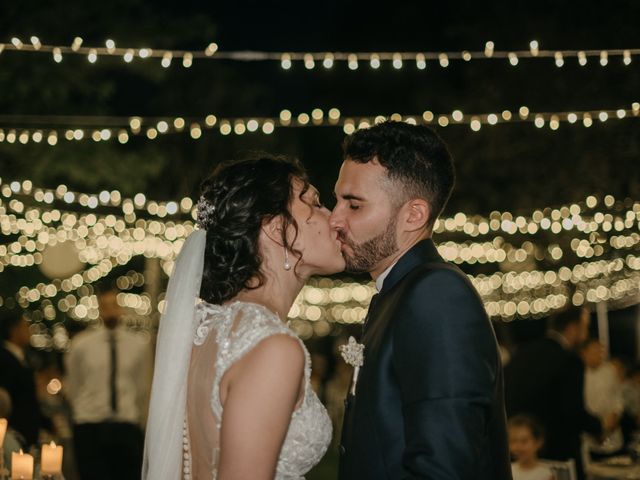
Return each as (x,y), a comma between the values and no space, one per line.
(114,371)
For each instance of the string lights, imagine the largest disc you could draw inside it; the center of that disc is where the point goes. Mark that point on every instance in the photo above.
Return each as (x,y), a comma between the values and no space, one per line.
(616,215)
(185,57)
(42,218)
(19,130)
(116,240)
(91,202)
(36,232)
(108,230)
(323,60)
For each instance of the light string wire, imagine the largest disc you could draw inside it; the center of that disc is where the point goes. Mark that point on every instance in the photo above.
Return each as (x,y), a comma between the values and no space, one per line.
(20,130)
(326,59)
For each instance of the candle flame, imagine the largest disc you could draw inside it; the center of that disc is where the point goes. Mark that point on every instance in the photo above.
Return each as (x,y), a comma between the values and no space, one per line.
(21,452)
(53,444)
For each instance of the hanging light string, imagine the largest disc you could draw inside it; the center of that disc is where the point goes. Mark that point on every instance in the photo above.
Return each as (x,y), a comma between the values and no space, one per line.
(109,50)
(325,59)
(591,215)
(36,233)
(591,240)
(505,294)
(20,129)
(597,232)
(323,303)
(105,243)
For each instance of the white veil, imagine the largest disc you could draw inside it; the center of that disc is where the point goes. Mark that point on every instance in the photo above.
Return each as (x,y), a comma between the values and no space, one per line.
(163,442)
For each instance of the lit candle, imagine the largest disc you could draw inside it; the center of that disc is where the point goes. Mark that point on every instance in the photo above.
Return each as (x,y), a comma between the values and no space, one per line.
(51,459)
(21,466)
(3,430)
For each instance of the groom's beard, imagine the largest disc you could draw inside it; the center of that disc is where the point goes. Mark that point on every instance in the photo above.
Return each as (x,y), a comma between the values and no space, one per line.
(368,254)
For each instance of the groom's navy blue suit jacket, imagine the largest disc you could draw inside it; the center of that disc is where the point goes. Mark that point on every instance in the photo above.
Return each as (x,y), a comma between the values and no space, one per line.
(429,402)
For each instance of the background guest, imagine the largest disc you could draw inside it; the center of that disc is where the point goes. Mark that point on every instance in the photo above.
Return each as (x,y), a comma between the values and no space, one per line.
(525,441)
(545,379)
(17,378)
(602,394)
(108,382)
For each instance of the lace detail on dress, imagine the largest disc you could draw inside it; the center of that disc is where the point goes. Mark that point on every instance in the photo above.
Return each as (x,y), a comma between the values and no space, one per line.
(206,316)
(239,327)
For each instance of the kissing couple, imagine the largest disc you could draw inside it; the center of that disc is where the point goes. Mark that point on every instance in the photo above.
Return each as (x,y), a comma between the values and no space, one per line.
(231,398)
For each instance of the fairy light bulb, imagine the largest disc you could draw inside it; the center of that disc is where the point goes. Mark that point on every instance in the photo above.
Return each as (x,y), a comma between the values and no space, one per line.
(285,61)
(328,61)
(582,58)
(488,49)
(374,61)
(604,58)
(166,59)
(77,43)
(309,62)
(397,61)
(352,61)
(211,49)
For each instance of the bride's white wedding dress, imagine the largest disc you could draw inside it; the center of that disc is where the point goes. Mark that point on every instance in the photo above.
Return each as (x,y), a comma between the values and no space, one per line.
(223,335)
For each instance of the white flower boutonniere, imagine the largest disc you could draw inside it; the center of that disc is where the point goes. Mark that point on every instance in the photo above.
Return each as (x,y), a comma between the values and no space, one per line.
(353,354)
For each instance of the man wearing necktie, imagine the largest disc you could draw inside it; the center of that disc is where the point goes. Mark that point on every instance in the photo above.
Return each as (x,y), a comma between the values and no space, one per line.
(429,400)
(108,376)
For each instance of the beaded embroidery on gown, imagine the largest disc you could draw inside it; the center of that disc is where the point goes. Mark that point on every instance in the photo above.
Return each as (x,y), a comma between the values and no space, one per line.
(224,334)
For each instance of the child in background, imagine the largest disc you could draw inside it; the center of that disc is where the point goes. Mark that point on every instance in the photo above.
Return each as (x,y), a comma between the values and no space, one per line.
(525,440)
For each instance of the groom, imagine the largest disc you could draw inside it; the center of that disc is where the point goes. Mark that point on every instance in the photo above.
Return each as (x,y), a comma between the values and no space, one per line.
(429,397)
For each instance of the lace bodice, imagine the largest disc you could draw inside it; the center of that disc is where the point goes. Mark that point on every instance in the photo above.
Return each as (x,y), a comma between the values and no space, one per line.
(239,327)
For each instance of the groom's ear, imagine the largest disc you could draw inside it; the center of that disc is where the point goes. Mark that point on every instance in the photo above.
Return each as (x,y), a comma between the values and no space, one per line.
(417,214)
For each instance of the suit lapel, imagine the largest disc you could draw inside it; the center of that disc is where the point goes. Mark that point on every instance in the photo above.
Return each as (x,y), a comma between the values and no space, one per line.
(422,252)
(381,311)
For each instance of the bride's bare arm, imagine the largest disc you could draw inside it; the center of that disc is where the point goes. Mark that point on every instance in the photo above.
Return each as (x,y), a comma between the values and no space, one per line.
(259,394)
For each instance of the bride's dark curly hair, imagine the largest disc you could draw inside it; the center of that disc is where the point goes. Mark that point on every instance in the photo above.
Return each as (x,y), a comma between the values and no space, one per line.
(241,196)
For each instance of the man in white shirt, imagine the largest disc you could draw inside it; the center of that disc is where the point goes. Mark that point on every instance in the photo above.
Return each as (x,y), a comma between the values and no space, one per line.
(108,383)
(602,393)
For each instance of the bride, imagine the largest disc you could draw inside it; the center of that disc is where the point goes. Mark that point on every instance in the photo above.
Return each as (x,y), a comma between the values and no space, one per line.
(231,397)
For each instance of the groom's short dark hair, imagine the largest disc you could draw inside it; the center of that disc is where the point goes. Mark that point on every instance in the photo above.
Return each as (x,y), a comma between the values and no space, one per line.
(414,156)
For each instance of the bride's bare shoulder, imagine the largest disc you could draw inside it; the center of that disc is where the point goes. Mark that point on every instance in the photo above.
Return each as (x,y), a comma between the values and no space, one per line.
(280,352)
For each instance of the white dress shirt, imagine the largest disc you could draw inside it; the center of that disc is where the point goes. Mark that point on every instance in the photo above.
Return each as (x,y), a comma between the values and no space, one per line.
(603,390)
(383,275)
(539,472)
(602,397)
(87,385)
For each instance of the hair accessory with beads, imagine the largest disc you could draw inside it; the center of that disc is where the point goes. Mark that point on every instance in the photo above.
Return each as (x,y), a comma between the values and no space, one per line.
(206,212)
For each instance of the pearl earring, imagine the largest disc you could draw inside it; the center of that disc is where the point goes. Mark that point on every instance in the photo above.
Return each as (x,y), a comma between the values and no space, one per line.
(287,265)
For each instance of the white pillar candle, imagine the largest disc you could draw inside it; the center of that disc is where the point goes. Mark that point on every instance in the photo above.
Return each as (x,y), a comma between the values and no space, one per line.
(51,463)
(21,466)
(3,430)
